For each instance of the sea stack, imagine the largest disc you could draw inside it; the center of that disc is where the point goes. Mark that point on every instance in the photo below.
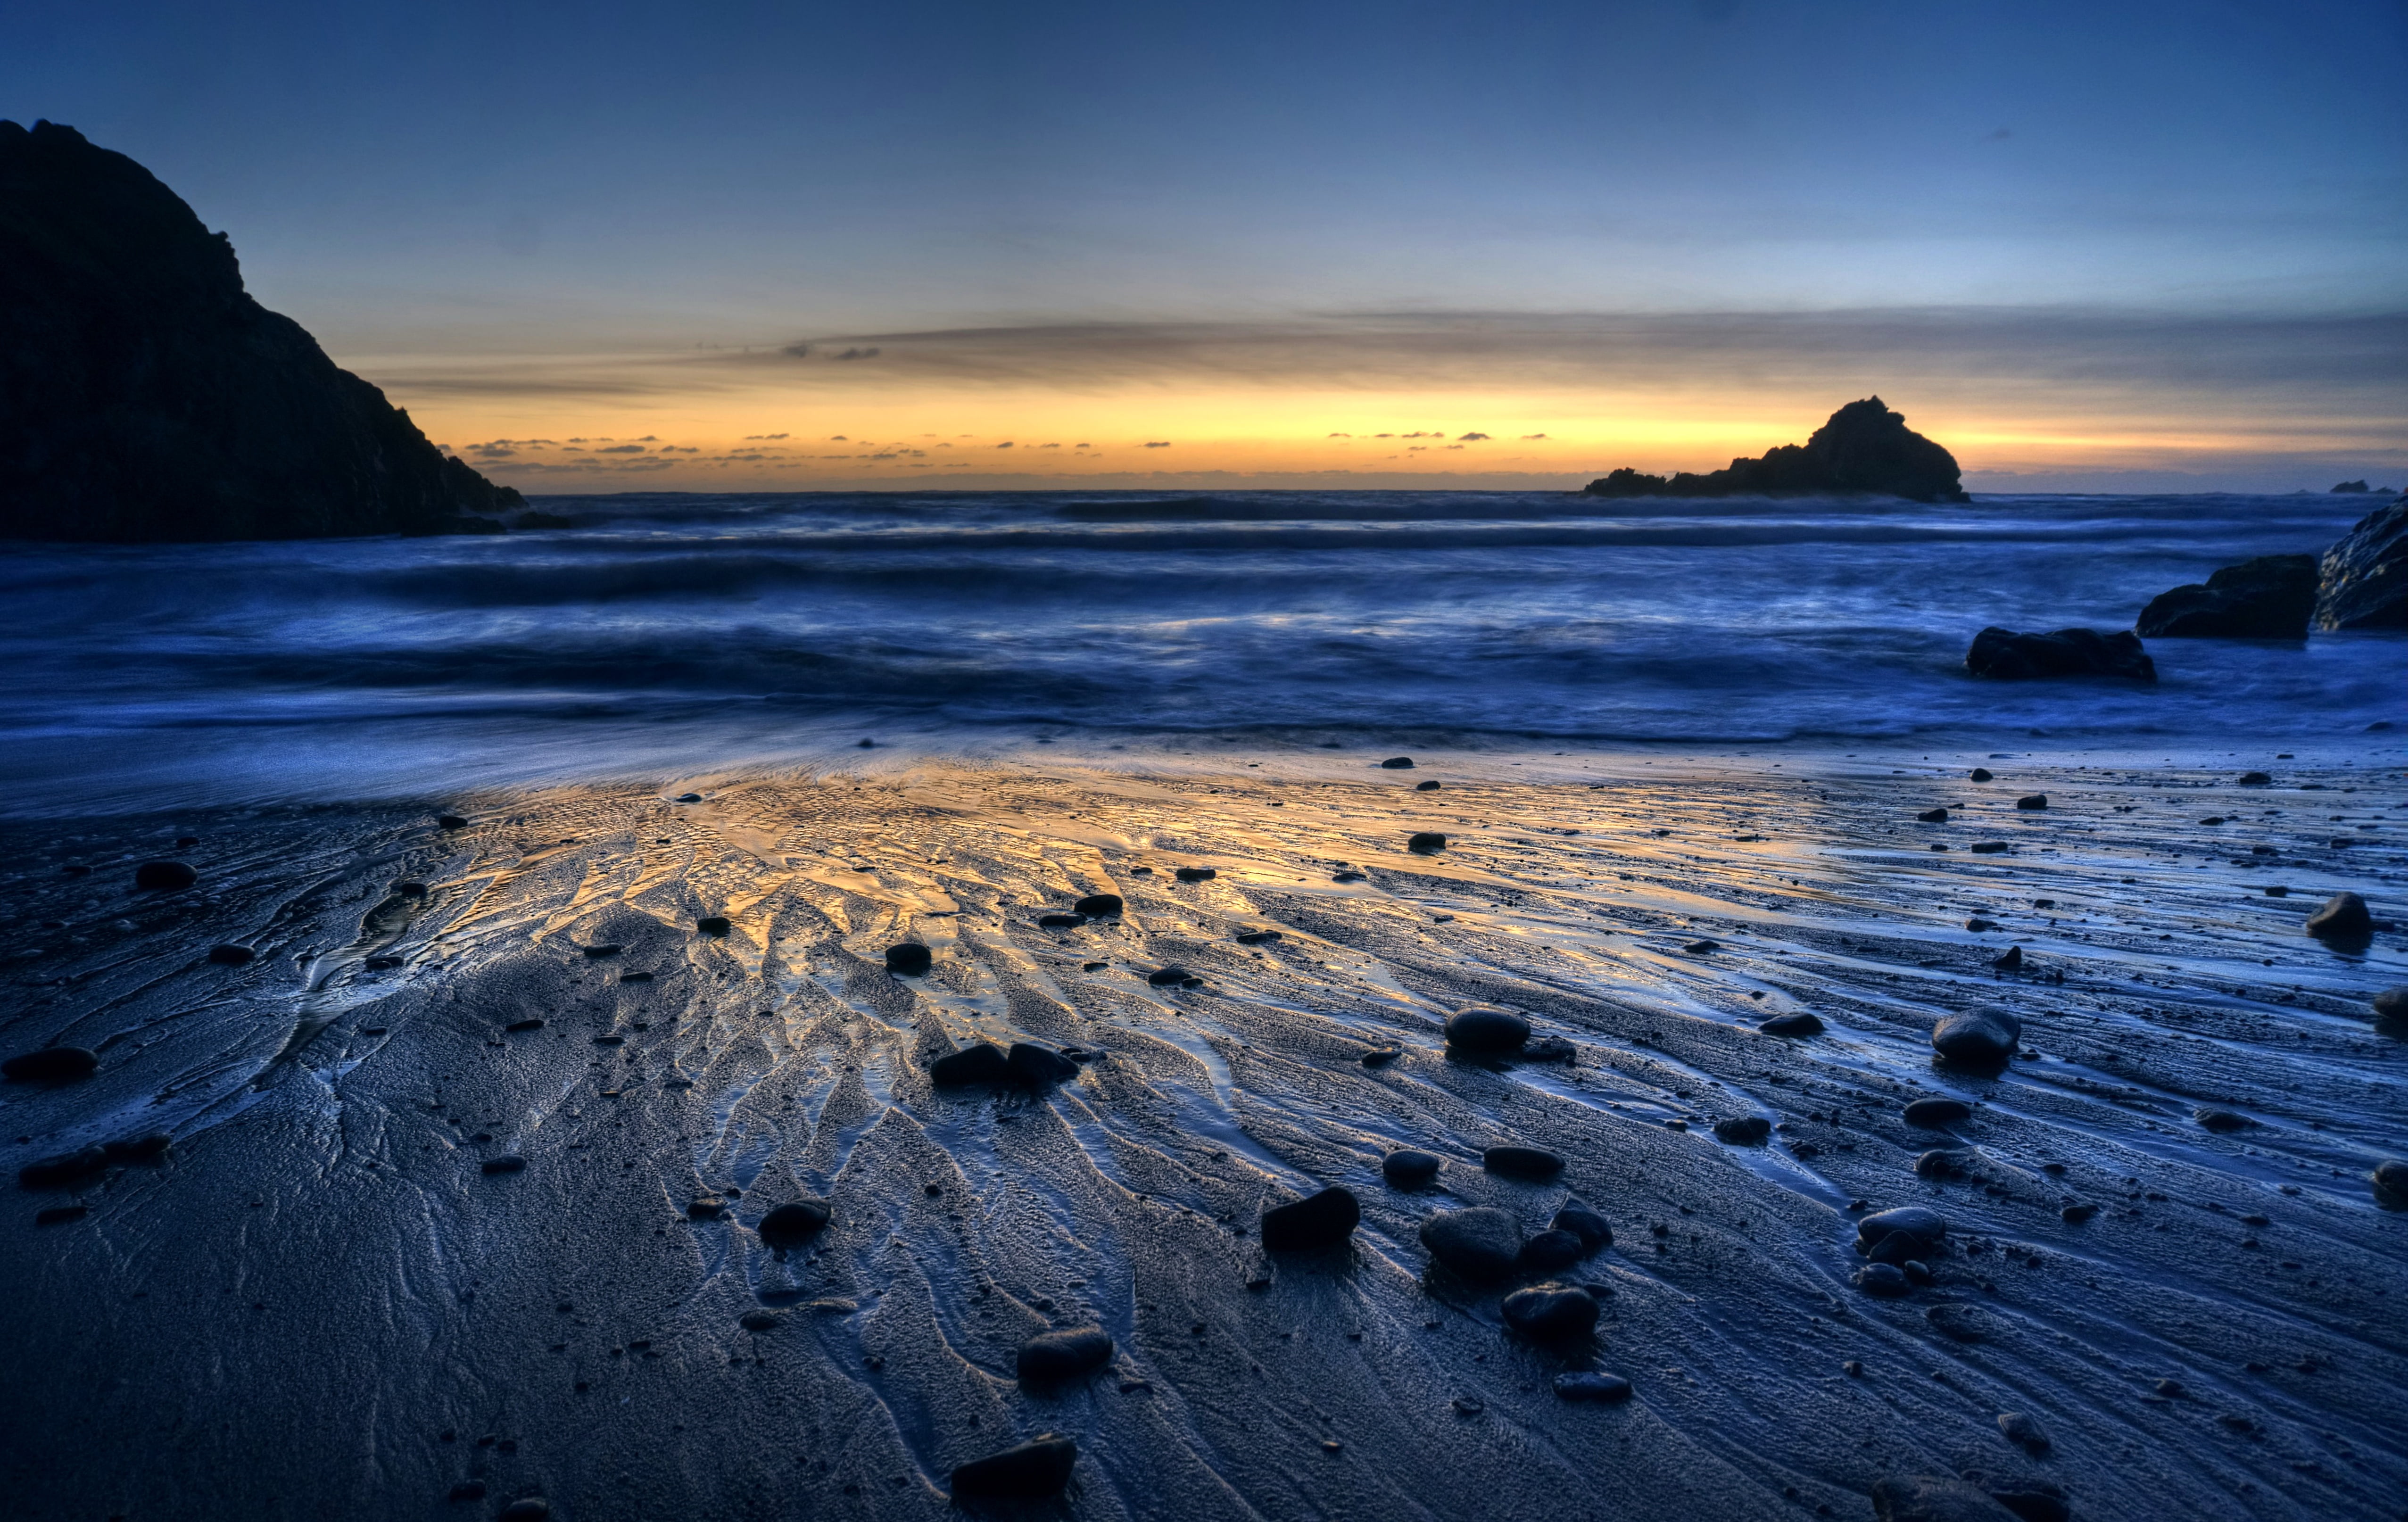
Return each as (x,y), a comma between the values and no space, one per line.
(144,395)
(1865,449)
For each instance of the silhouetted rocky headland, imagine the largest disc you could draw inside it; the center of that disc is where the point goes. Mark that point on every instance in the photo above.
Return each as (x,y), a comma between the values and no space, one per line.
(145,395)
(2364,580)
(1865,449)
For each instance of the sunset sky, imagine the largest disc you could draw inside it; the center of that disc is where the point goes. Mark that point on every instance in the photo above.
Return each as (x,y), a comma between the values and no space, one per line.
(606,247)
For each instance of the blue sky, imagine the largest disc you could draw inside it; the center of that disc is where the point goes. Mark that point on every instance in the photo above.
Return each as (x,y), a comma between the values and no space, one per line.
(549,191)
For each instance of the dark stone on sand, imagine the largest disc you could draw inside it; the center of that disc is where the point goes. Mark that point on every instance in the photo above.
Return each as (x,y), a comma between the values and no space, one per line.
(1195,874)
(1481,1242)
(63,1170)
(60,1214)
(531,1022)
(2391,1181)
(381,964)
(1317,1221)
(231,956)
(151,398)
(1167,977)
(2362,583)
(1979,925)
(147,1148)
(1040,1066)
(1398,763)
(2270,598)
(164,876)
(1987,848)
(1887,1280)
(1072,1353)
(525,1509)
(1920,1225)
(2020,1429)
(1863,448)
(635,977)
(2390,1004)
(1588,1385)
(509,1162)
(1255,938)
(713,925)
(1744,1131)
(794,1223)
(1933,816)
(1425,787)
(1984,1037)
(1551,1312)
(1381,1056)
(51,1065)
(450,822)
(1550,1251)
(1482,1030)
(1425,841)
(1934,1497)
(2033,800)
(1595,1232)
(2075,1214)
(909,959)
(2257,778)
(2215,1119)
(1031,1471)
(1061,922)
(1700,948)
(2343,918)
(2005,655)
(2010,960)
(1979,774)
(1934,1114)
(1521,1162)
(983,1062)
(1799,1023)
(1943,1163)
(609,1041)
(1099,905)
(1409,1168)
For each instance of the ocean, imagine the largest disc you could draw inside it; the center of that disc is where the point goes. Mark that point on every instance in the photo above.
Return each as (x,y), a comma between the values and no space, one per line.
(669,632)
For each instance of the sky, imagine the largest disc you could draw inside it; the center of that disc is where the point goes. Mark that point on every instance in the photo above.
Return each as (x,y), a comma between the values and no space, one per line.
(732,245)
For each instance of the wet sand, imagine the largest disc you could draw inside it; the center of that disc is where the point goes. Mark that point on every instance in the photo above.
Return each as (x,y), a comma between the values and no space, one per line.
(318,1302)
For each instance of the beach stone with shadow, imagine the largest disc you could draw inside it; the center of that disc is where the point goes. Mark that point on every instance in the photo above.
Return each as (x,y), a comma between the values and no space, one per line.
(1195,874)
(1595,1232)
(1534,1163)
(2342,919)
(713,925)
(909,960)
(51,1065)
(1979,1038)
(1057,1357)
(981,1063)
(1797,1025)
(1744,1131)
(1480,1029)
(2033,802)
(1933,816)
(1098,905)
(1931,1115)
(1397,763)
(1588,1385)
(2216,1119)
(1031,1471)
(1934,1497)
(1040,1067)
(1481,1242)
(1317,1221)
(1425,787)
(1169,977)
(794,1223)
(1551,1312)
(1919,1226)
(2020,1429)
(1887,1280)
(1409,1168)
(509,1162)
(2391,1181)
(231,956)
(1550,1251)
(164,877)
(1425,841)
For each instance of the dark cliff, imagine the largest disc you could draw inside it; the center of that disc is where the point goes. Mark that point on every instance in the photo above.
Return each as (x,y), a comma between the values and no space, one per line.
(145,395)
(1865,449)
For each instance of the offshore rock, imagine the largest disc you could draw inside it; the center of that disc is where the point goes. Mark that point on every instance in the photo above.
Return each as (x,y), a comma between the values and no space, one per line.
(144,395)
(2363,583)
(2006,656)
(1864,448)
(2270,598)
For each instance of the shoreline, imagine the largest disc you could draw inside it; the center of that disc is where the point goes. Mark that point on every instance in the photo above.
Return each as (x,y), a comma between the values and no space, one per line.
(403,1293)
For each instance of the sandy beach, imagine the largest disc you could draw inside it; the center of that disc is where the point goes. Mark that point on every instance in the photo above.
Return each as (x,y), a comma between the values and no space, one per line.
(335,1294)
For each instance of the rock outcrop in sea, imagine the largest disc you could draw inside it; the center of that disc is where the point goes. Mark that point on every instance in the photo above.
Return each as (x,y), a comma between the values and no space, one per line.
(145,395)
(2008,655)
(1864,450)
(2266,598)
(2364,579)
